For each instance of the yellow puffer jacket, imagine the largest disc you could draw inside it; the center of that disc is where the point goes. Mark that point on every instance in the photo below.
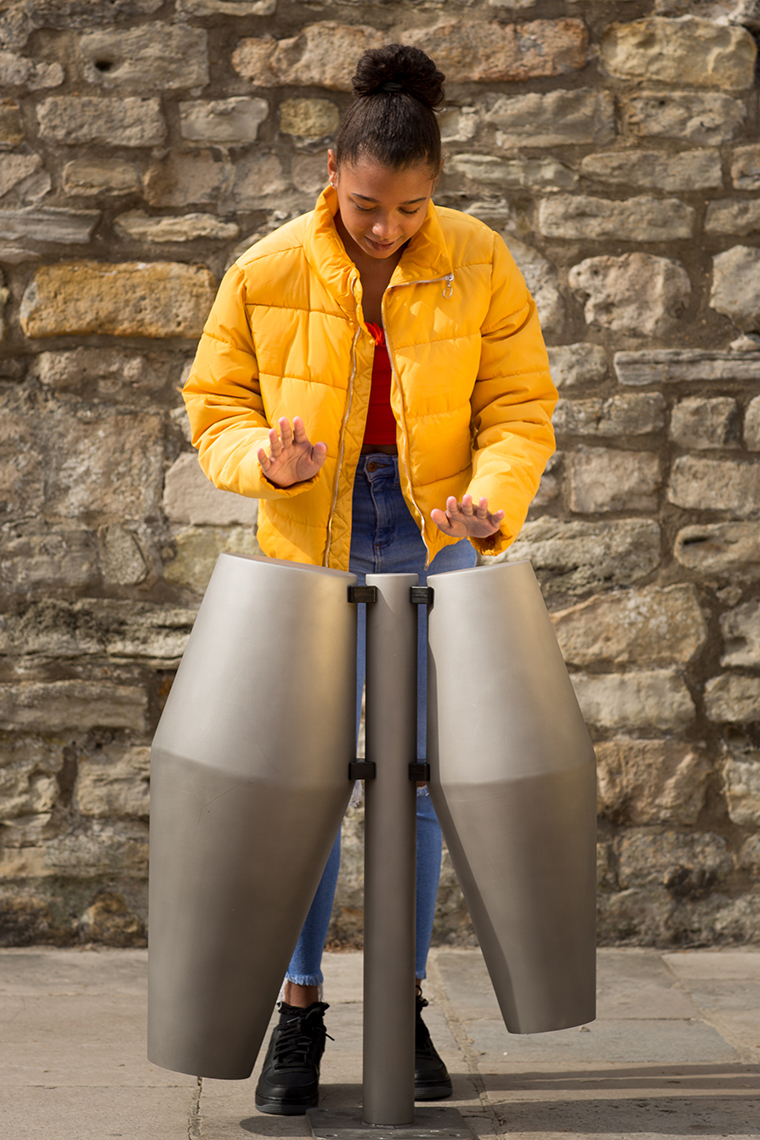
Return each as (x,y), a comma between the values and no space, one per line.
(471,391)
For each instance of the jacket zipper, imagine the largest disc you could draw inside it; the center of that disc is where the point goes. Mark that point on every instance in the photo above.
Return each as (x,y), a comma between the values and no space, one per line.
(448,290)
(346,414)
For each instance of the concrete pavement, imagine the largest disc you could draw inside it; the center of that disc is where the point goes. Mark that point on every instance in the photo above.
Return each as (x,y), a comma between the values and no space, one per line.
(675,1052)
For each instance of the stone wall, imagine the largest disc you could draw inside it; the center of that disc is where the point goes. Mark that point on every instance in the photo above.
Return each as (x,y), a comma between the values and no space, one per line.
(615,145)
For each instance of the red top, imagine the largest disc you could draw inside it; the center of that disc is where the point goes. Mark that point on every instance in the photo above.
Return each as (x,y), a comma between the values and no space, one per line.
(381,426)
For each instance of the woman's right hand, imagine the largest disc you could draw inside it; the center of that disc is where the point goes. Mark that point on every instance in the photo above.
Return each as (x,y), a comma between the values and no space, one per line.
(291,459)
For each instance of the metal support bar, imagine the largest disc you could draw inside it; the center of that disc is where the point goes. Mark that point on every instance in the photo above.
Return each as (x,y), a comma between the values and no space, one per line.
(421,595)
(389,855)
(419,771)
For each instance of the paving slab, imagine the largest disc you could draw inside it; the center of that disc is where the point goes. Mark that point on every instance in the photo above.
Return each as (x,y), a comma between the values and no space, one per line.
(673,1053)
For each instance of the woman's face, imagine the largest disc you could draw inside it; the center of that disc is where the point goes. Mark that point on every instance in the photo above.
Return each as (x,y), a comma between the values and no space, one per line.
(381,208)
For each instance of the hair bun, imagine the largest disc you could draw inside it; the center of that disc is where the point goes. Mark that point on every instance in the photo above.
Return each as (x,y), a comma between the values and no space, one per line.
(397,69)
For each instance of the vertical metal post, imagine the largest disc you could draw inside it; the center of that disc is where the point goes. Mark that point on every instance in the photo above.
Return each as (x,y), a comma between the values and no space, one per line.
(390,853)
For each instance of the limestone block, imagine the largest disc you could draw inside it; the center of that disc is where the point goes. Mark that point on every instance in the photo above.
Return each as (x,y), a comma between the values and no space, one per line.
(604,480)
(309,118)
(749,855)
(550,486)
(114,783)
(708,118)
(68,227)
(557,118)
(226,7)
(67,14)
(121,559)
(637,293)
(102,372)
(195,550)
(189,497)
(573,365)
(752,425)
(259,178)
(136,225)
(634,219)
(222,121)
(745,167)
(309,173)
(108,920)
(35,555)
(650,781)
(91,176)
(695,52)
(11,125)
(687,170)
(649,626)
(148,57)
(741,636)
(28,785)
(611,416)
(638,916)
(89,627)
(18,71)
(676,365)
(154,299)
(106,850)
(4,295)
(181,179)
(656,698)
(458,124)
(49,706)
(489,170)
(687,865)
(701,484)
(733,698)
(127,121)
(541,279)
(107,461)
(731,217)
(321,55)
(493,52)
(729,550)
(701,423)
(736,286)
(576,556)
(741,784)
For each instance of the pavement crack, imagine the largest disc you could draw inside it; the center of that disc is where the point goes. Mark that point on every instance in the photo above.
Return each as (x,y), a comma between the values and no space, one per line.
(194,1116)
(459,1033)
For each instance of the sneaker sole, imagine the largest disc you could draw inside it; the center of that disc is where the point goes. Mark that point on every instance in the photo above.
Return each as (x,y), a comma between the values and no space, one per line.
(432,1092)
(283,1108)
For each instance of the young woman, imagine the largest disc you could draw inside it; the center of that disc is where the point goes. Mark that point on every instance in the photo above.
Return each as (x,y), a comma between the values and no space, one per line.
(374,372)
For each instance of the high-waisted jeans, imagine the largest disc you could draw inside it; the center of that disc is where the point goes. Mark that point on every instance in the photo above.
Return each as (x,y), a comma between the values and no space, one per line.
(386,540)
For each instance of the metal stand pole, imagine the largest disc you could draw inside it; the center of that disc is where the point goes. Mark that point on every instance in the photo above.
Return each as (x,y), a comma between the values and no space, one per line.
(390,825)
(389,853)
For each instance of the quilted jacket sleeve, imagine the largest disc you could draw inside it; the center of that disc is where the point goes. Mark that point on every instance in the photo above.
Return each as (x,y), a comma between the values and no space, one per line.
(223,399)
(512,403)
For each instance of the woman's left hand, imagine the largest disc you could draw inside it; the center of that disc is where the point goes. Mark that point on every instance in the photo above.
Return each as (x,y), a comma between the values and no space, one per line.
(463,520)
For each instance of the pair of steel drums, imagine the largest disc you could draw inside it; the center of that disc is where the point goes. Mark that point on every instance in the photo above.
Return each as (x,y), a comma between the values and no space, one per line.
(249,783)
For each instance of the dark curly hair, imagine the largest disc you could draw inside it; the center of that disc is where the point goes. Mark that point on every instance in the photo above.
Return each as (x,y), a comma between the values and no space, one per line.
(392,120)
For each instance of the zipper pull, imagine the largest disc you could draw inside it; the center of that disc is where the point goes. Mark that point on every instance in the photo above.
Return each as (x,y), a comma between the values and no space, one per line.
(449,287)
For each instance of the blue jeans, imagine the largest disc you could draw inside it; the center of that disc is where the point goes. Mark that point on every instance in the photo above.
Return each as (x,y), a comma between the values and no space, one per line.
(386,540)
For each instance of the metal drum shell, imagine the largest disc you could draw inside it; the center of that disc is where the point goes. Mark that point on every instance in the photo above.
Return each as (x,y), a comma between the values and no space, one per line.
(513,782)
(249,784)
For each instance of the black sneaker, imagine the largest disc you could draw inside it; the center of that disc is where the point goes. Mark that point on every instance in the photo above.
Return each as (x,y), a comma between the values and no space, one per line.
(431,1077)
(289,1081)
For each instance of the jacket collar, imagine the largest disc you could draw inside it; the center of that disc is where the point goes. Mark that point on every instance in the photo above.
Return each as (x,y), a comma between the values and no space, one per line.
(425,258)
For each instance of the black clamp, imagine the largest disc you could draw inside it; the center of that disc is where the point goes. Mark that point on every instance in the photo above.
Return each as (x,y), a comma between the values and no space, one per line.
(418,770)
(361,770)
(358,594)
(421,595)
